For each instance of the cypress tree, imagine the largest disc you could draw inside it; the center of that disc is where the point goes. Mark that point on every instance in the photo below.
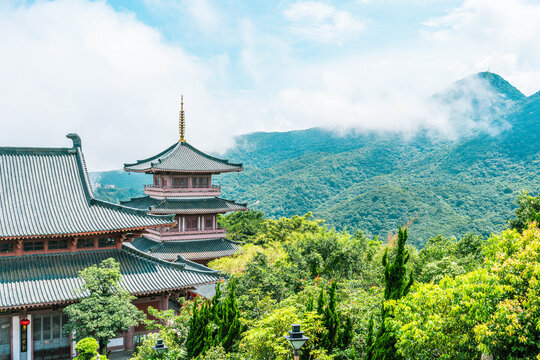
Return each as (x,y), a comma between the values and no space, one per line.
(215,322)
(397,285)
(199,329)
(331,320)
(346,334)
(339,333)
(228,320)
(369,340)
(310,305)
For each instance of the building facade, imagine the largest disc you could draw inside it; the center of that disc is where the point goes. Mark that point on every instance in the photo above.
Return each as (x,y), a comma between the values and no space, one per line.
(52,227)
(183,187)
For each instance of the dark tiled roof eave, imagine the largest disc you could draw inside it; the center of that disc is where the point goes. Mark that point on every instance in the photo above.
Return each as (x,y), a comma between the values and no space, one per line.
(185,206)
(46,279)
(183,158)
(202,249)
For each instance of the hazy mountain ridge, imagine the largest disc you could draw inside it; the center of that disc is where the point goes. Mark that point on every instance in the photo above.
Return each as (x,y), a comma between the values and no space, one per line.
(375,181)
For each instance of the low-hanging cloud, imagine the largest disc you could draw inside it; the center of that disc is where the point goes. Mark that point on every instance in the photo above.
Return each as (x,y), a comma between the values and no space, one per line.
(77,65)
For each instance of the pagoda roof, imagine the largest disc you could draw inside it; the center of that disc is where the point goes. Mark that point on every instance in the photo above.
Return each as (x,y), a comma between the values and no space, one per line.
(199,205)
(46,192)
(183,158)
(46,279)
(187,249)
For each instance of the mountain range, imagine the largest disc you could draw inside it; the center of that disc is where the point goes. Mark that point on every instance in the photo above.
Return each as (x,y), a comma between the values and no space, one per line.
(454,184)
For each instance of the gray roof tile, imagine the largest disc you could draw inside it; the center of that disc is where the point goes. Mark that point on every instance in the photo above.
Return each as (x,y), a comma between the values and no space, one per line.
(188,249)
(46,192)
(33,280)
(185,206)
(182,157)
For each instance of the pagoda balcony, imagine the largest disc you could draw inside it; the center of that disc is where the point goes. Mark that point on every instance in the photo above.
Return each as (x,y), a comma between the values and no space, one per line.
(173,234)
(204,190)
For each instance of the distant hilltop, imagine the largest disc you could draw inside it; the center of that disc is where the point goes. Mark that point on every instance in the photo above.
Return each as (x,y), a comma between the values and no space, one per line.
(376,181)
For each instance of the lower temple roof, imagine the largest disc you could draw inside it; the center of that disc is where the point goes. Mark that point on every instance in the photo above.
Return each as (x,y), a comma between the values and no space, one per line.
(184,206)
(188,249)
(46,279)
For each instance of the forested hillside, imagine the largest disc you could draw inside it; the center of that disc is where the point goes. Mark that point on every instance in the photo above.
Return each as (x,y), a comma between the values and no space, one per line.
(359,298)
(374,181)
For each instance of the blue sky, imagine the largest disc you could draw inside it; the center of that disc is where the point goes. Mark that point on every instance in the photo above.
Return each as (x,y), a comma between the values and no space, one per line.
(114,70)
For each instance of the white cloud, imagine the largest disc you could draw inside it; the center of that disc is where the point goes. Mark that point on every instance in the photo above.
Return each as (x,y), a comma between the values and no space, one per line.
(204,13)
(317,21)
(502,35)
(73,65)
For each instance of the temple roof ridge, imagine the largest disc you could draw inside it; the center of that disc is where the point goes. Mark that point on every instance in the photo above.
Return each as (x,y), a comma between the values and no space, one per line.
(183,157)
(47,192)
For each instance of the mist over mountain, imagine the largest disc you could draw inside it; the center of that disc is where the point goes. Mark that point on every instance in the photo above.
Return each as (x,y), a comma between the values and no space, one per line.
(464,179)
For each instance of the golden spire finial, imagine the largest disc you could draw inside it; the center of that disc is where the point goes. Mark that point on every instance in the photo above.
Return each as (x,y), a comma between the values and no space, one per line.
(182,121)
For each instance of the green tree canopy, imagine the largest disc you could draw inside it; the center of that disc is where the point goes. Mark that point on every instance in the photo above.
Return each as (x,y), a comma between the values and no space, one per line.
(493,310)
(528,211)
(105,308)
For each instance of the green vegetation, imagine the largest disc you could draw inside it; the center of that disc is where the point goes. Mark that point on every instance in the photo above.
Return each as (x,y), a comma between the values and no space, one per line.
(87,349)
(214,323)
(396,285)
(469,297)
(528,211)
(106,308)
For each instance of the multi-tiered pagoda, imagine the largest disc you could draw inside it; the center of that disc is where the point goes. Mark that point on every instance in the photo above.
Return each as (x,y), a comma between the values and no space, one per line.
(182,185)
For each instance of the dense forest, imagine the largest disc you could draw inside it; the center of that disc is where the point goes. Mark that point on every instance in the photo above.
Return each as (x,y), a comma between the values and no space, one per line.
(359,298)
(375,181)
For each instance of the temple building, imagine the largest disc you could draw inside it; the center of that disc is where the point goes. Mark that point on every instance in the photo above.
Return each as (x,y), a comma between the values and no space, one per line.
(52,227)
(182,186)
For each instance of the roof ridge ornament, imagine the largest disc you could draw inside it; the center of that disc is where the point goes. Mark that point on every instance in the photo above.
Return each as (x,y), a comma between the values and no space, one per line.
(182,121)
(76,140)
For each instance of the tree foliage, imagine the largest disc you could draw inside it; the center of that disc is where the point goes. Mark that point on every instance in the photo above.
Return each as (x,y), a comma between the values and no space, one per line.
(214,323)
(528,211)
(242,225)
(87,349)
(493,310)
(105,308)
(443,256)
(397,285)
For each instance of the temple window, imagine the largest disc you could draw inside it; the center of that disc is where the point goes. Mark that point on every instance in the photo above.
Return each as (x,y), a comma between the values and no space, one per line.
(200,182)
(106,242)
(208,222)
(179,182)
(6,247)
(192,224)
(33,245)
(85,243)
(57,244)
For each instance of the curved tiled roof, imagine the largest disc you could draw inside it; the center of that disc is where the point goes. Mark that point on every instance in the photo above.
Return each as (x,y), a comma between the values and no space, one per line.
(33,280)
(46,192)
(182,157)
(188,249)
(185,206)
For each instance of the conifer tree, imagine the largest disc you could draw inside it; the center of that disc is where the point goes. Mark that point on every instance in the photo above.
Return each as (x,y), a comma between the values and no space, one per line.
(228,319)
(215,322)
(330,320)
(339,328)
(369,339)
(397,285)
